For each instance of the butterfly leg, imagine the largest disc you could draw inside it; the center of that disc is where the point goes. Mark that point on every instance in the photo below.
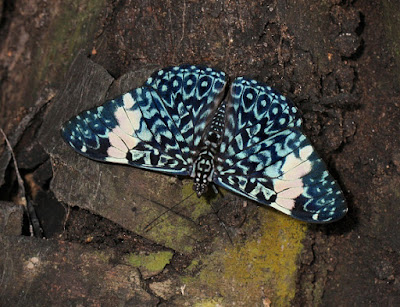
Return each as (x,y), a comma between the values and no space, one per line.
(215,189)
(221,222)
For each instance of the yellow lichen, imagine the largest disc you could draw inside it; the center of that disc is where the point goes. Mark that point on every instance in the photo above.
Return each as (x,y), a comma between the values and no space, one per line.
(199,205)
(153,262)
(172,235)
(270,261)
(262,267)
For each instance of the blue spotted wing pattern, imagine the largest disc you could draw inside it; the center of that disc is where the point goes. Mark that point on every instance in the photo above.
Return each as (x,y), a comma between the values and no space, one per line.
(249,142)
(156,126)
(264,156)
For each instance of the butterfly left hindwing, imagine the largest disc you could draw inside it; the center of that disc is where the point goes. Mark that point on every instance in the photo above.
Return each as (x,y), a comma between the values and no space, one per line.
(264,156)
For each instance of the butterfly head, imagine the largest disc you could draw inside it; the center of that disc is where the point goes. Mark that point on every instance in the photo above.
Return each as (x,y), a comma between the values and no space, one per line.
(200,188)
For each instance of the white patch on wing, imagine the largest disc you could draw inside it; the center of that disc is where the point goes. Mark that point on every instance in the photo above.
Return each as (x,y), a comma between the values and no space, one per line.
(129,140)
(116,142)
(305,152)
(113,152)
(280,185)
(134,117)
(299,171)
(291,193)
(123,120)
(290,162)
(289,186)
(116,160)
(285,203)
(128,101)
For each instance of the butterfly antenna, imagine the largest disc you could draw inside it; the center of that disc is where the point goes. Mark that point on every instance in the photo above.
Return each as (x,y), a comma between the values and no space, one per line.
(216,191)
(221,222)
(148,226)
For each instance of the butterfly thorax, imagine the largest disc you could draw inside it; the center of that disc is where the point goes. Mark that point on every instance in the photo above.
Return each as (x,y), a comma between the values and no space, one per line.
(202,172)
(204,164)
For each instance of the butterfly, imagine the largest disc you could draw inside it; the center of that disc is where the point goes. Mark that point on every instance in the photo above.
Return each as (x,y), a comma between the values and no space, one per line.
(243,136)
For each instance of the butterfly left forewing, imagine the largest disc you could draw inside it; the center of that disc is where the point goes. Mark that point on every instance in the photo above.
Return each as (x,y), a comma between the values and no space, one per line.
(265,156)
(130,129)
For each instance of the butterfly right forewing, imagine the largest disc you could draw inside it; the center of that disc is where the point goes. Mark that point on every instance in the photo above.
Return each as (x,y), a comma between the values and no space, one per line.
(265,157)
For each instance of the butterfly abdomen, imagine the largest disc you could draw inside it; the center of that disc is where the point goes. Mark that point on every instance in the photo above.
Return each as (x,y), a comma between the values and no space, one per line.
(203,169)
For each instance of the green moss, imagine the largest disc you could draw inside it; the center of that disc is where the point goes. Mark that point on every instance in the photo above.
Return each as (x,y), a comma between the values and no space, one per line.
(73,26)
(391,20)
(178,228)
(174,234)
(102,256)
(193,265)
(209,303)
(200,206)
(177,232)
(153,262)
(264,265)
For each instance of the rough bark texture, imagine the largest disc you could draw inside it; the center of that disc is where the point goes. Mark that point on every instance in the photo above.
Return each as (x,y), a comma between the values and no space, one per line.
(337,60)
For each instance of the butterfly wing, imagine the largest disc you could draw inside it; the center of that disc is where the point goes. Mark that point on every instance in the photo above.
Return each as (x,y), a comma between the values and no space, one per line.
(153,127)
(264,156)
(190,94)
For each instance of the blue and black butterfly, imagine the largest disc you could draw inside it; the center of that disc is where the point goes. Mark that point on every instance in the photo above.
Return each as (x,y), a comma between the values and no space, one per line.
(246,137)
